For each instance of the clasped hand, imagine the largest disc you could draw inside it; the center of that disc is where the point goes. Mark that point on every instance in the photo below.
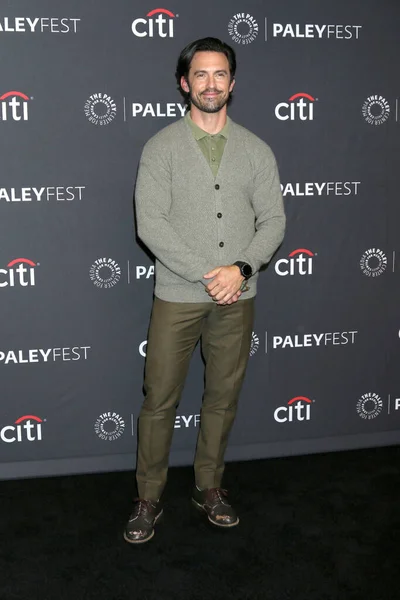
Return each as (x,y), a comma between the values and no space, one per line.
(225,285)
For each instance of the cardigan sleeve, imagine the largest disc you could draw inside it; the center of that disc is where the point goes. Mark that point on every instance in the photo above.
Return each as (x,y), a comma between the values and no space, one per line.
(153,202)
(269,213)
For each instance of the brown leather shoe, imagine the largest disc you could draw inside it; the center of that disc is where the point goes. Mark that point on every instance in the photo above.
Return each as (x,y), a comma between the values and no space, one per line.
(214,503)
(140,527)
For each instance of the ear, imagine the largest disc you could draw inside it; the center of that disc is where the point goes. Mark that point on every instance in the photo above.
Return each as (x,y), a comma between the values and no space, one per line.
(184,84)
(232,85)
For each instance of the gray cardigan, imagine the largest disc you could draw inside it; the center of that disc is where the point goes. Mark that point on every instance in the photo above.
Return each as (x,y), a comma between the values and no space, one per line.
(193,222)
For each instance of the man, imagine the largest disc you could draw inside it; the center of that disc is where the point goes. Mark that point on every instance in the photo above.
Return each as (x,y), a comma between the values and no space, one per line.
(209,207)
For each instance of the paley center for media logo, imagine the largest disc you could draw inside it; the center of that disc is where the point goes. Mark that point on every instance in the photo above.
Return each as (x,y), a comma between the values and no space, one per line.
(109,426)
(299,262)
(105,273)
(100,109)
(19,272)
(375,110)
(373,262)
(371,405)
(296,410)
(243,29)
(158,22)
(38,25)
(14,106)
(25,429)
(300,106)
(255,344)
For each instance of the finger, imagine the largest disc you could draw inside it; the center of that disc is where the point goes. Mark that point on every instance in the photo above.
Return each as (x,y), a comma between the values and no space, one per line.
(224,297)
(212,273)
(231,301)
(213,285)
(224,294)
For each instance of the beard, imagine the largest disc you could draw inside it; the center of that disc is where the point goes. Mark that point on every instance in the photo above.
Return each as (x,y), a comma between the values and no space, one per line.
(209,105)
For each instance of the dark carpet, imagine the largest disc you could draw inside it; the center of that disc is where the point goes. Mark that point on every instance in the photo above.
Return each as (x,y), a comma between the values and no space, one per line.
(312,528)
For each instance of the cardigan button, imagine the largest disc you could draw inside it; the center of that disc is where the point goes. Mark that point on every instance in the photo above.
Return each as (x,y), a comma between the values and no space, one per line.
(221,244)
(219,215)
(216,186)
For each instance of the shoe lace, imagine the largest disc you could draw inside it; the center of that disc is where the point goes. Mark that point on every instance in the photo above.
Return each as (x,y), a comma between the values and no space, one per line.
(142,507)
(218,495)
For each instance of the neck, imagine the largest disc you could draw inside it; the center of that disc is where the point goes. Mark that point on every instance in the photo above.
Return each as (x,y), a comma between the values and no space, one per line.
(210,122)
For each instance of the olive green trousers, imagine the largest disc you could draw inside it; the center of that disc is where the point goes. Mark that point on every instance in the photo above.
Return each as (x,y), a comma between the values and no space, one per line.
(175,329)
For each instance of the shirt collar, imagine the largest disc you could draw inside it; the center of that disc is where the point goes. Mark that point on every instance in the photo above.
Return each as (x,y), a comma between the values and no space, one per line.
(199,133)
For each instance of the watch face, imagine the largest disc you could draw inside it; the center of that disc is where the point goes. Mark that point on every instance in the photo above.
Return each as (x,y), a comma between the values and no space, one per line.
(247,270)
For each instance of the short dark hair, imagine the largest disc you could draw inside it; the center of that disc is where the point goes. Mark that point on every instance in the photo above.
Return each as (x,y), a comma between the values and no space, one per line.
(208,44)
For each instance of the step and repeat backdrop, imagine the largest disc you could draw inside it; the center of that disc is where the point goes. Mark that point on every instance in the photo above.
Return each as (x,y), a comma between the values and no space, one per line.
(83,86)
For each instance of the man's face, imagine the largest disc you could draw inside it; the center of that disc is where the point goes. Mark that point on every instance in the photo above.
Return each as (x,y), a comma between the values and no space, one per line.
(209,81)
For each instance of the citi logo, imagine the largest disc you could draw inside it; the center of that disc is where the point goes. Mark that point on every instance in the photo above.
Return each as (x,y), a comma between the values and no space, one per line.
(299,106)
(298,409)
(299,262)
(26,428)
(23,274)
(14,106)
(161,25)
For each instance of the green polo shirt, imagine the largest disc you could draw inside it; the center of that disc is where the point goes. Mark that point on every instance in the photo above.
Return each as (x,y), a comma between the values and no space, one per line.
(212,146)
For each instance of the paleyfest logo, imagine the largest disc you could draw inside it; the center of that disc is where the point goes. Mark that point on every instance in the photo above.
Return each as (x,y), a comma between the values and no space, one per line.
(243,29)
(25,25)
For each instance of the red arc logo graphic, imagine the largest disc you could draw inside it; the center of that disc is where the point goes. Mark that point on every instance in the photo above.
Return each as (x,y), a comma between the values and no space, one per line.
(160,10)
(21,260)
(297,398)
(27,418)
(20,94)
(301,251)
(301,95)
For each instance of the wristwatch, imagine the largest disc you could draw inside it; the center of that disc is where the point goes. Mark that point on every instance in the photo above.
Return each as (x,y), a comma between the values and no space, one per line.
(245,269)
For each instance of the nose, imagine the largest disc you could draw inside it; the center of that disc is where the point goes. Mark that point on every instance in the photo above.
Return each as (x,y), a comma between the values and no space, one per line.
(211,81)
